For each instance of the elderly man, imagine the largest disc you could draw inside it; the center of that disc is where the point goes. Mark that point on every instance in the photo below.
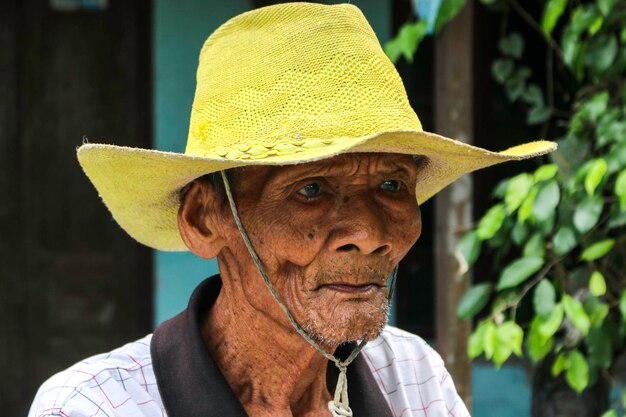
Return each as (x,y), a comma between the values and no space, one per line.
(302,175)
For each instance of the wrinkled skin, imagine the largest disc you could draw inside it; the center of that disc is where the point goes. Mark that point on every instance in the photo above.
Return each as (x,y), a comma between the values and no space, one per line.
(329,234)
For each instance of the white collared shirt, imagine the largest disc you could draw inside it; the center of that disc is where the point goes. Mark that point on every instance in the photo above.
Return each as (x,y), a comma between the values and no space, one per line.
(410,374)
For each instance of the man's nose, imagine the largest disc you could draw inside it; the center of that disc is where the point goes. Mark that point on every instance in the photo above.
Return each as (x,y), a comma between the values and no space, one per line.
(361,228)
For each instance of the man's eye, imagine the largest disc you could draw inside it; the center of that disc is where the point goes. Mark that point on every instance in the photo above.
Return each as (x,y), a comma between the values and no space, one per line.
(310,190)
(391,186)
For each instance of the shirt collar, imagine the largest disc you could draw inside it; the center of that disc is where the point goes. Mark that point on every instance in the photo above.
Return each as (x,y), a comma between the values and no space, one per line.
(191,384)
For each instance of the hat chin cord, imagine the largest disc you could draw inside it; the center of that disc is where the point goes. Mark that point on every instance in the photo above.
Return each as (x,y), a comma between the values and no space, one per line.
(339,406)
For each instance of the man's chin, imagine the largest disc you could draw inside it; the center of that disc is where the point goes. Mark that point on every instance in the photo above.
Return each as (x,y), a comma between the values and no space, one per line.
(333,331)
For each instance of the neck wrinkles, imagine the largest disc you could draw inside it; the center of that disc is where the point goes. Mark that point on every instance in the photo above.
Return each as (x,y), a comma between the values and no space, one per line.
(270,367)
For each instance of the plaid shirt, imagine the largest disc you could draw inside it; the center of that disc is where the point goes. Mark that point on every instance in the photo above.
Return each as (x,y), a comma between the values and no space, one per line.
(171,373)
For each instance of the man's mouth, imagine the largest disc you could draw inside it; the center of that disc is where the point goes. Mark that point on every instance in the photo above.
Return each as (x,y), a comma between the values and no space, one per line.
(349,288)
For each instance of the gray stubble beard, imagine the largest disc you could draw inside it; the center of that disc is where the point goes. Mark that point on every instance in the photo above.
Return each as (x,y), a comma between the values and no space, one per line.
(320,333)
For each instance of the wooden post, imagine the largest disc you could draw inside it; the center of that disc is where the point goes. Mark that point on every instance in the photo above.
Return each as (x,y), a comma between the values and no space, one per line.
(453,206)
(12,288)
(72,283)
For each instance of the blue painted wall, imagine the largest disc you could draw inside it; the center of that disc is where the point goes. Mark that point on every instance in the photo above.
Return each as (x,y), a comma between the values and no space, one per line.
(503,392)
(180,28)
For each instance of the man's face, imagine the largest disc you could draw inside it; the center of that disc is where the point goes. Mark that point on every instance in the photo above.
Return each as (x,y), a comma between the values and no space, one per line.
(329,234)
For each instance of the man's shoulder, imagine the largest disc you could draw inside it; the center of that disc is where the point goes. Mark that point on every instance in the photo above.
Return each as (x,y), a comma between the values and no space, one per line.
(120,382)
(412,375)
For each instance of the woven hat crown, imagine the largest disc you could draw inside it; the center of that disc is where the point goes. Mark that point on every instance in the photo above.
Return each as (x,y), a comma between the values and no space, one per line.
(283,79)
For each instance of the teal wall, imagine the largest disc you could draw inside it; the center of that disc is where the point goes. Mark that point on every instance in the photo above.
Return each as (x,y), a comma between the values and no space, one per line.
(180,28)
(503,392)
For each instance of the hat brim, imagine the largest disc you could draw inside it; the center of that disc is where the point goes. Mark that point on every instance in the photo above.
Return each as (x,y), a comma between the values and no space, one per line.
(140,186)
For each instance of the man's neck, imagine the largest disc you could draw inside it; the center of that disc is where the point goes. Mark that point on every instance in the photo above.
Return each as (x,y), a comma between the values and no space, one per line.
(271,369)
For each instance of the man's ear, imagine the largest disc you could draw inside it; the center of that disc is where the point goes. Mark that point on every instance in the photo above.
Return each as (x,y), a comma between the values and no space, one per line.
(197,219)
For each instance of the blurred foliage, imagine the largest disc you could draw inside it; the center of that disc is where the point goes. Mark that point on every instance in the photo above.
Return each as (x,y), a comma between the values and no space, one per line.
(557,234)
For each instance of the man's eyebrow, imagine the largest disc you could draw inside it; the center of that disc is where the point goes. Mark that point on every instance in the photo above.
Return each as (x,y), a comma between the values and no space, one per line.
(285,174)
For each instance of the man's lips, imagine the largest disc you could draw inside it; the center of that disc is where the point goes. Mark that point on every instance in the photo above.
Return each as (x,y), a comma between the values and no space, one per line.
(350,288)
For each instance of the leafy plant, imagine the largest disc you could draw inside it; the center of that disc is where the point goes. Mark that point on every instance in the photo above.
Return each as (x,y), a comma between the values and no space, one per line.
(556,234)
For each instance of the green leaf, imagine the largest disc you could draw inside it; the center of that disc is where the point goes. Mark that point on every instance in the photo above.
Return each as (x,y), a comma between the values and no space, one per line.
(570,41)
(519,233)
(560,364)
(588,213)
(601,53)
(509,337)
(576,314)
(517,191)
(544,298)
(489,339)
(605,7)
(512,334)
(595,175)
(470,247)
(475,343)
(512,45)
(616,158)
(564,240)
(473,301)
(551,13)
(519,271)
(491,222)
(597,284)
(526,209)
(545,226)
(583,17)
(597,250)
(552,323)
(609,413)
(448,11)
(599,348)
(515,85)
(620,189)
(537,345)
(622,305)
(545,172)
(538,114)
(596,310)
(582,171)
(500,190)
(596,25)
(535,247)
(533,95)
(610,127)
(596,105)
(501,69)
(406,42)
(546,201)
(589,111)
(577,373)
(617,218)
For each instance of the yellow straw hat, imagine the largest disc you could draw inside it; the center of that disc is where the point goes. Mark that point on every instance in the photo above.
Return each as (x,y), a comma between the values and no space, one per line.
(281,85)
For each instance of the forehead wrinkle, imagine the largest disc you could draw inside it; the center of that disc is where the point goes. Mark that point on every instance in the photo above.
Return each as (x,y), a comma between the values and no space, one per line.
(344,166)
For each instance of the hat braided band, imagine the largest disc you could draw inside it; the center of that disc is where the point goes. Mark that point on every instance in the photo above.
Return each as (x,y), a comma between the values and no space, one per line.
(339,406)
(262,150)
